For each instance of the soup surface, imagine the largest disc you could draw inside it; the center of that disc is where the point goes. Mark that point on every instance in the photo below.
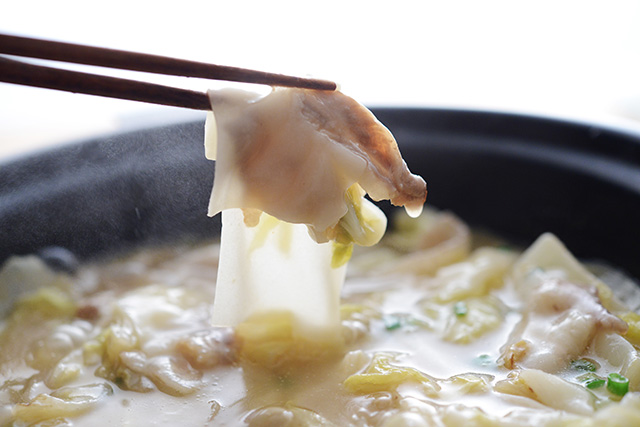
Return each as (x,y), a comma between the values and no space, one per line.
(439,328)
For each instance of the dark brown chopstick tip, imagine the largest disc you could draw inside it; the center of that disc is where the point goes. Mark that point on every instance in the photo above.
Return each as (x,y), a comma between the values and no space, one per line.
(113,58)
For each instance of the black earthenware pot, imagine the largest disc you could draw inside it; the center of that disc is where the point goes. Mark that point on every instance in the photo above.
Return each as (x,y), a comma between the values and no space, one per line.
(517,176)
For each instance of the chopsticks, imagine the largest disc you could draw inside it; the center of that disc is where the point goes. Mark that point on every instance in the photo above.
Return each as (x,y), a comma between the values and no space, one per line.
(20,72)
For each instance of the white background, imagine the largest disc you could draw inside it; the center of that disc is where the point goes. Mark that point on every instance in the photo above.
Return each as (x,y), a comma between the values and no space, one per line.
(573,59)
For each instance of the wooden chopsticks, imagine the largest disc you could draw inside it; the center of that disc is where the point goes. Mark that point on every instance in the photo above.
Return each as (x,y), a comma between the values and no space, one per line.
(22,73)
(19,72)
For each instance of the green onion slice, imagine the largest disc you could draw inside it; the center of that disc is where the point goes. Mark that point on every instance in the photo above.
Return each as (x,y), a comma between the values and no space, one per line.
(583,365)
(591,380)
(484,360)
(392,322)
(617,384)
(594,383)
(460,308)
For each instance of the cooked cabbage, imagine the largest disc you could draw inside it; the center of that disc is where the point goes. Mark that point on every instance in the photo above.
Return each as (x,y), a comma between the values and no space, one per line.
(412,349)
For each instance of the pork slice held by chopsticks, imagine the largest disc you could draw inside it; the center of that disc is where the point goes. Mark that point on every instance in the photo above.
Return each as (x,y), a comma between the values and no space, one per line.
(294,154)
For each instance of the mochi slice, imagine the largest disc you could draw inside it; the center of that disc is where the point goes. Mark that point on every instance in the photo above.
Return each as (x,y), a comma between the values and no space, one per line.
(275,277)
(292,170)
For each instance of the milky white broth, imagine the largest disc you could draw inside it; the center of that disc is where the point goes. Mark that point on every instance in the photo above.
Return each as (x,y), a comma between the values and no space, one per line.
(167,293)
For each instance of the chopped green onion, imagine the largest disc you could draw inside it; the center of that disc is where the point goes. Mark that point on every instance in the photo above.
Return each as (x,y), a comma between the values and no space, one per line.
(460,308)
(617,384)
(591,380)
(392,322)
(484,360)
(583,365)
(594,383)
(403,320)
